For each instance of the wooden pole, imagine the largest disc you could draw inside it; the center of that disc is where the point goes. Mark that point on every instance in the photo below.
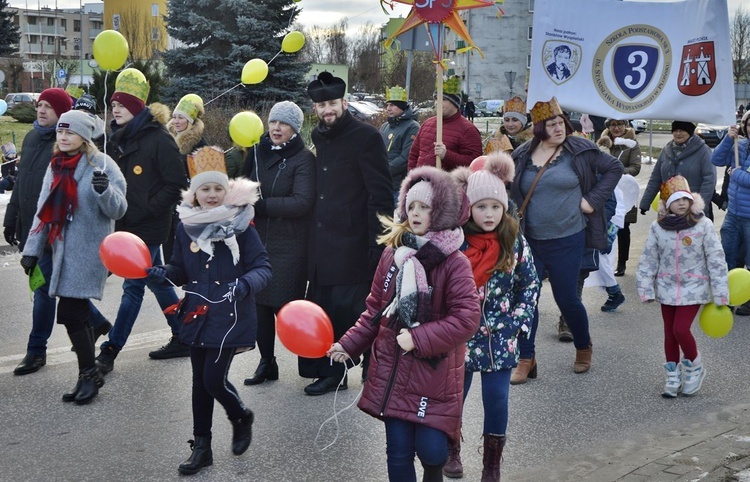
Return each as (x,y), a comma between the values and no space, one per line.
(439,110)
(737,151)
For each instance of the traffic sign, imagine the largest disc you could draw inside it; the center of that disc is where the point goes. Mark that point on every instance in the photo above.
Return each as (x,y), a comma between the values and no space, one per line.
(61,74)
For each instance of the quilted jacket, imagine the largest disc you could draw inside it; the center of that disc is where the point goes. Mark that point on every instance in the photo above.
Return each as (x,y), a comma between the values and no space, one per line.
(461,138)
(425,385)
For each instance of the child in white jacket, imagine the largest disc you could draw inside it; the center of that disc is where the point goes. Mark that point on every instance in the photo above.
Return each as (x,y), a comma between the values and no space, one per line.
(682,268)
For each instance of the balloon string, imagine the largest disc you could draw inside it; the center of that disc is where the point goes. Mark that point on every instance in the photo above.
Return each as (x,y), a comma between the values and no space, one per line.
(274,57)
(223,93)
(104,101)
(335,416)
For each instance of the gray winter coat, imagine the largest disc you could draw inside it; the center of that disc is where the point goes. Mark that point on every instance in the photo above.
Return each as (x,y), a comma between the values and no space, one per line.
(398,135)
(77,270)
(694,164)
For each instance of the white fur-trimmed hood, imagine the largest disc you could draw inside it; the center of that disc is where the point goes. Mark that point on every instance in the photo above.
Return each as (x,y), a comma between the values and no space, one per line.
(241,192)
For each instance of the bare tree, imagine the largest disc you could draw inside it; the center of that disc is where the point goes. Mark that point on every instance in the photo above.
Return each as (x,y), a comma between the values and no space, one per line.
(739,32)
(326,45)
(316,50)
(422,74)
(141,30)
(365,60)
(13,69)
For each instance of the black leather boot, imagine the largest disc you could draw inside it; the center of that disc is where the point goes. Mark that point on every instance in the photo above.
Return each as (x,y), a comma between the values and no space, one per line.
(432,473)
(242,432)
(89,381)
(89,377)
(267,370)
(202,456)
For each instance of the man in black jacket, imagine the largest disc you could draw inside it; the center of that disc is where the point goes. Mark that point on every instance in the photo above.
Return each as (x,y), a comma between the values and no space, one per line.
(36,153)
(353,185)
(148,157)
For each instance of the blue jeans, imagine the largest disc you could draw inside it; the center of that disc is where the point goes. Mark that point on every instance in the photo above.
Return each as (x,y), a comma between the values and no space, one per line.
(403,439)
(495,390)
(43,312)
(561,259)
(735,234)
(132,299)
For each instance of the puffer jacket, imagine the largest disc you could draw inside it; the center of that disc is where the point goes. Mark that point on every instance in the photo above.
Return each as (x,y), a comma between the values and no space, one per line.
(36,153)
(282,215)
(685,267)
(154,172)
(629,156)
(398,134)
(461,138)
(408,387)
(739,185)
(693,163)
(76,273)
(508,301)
(598,174)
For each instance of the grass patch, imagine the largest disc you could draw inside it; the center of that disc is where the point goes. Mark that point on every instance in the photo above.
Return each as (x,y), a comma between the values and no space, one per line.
(13,131)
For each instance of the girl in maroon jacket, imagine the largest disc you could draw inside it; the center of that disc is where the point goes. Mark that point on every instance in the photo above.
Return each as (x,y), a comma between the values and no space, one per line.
(421,310)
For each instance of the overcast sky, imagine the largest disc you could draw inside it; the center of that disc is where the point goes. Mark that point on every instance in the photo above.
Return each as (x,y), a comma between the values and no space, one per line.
(323,13)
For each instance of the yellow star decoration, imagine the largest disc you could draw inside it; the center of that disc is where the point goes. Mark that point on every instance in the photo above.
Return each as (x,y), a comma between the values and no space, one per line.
(438,11)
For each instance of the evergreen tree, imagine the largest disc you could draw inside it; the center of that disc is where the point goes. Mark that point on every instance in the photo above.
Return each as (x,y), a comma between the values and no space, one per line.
(10,36)
(219,37)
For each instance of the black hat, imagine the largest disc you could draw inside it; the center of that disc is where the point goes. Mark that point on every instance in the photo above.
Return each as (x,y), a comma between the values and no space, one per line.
(398,103)
(86,102)
(326,87)
(688,127)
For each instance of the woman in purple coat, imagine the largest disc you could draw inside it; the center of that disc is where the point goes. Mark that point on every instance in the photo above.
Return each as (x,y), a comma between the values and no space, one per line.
(422,308)
(221,264)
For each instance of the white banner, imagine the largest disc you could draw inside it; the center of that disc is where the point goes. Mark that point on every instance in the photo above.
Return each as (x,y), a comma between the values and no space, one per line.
(649,60)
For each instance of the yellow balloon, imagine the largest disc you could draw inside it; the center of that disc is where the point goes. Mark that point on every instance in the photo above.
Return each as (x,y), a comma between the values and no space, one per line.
(110,50)
(255,71)
(739,286)
(245,129)
(716,321)
(655,203)
(293,42)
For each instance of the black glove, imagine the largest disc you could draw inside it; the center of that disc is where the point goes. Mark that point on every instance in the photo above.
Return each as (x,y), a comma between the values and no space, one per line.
(100,181)
(644,211)
(29,263)
(10,235)
(157,274)
(240,289)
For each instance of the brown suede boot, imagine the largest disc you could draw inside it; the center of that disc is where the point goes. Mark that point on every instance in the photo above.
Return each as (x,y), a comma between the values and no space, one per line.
(526,369)
(454,469)
(583,360)
(492,458)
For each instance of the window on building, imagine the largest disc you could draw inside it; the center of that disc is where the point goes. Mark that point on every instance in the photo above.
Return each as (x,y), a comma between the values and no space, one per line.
(531,31)
(531,6)
(76,25)
(155,33)
(64,23)
(32,20)
(528,61)
(50,40)
(50,22)
(154,9)
(33,39)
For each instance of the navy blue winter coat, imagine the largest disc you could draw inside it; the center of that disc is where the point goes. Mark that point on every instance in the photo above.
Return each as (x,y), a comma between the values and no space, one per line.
(219,326)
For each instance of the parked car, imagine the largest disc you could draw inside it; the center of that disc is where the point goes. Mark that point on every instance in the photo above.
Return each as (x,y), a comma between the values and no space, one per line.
(489,108)
(361,110)
(21,97)
(639,125)
(711,134)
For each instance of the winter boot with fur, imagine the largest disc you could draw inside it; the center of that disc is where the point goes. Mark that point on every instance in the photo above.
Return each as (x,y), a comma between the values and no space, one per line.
(202,456)
(454,469)
(492,458)
(693,375)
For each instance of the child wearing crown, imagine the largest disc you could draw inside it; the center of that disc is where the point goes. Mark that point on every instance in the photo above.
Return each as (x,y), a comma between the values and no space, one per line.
(221,262)
(682,268)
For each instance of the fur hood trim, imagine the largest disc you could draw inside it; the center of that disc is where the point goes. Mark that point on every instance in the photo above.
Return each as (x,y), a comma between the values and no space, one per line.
(450,206)
(696,207)
(160,112)
(188,139)
(241,192)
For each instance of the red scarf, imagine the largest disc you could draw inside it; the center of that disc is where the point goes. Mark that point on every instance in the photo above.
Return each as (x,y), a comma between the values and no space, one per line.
(483,252)
(62,200)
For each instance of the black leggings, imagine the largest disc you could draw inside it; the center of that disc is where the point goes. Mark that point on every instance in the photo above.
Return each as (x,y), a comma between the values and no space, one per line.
(623,244)
(209,383)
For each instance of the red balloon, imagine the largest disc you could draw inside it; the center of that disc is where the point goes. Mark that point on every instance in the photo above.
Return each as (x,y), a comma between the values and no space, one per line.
(304,329)
(478,163)
(125,255)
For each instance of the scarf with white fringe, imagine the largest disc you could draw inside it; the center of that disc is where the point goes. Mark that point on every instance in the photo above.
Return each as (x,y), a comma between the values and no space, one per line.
(417,257)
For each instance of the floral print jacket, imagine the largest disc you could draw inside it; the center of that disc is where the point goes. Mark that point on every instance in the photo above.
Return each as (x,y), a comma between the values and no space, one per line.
(508,302)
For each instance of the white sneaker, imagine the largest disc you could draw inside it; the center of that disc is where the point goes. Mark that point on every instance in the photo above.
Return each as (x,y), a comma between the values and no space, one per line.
(694,374)
(674,380)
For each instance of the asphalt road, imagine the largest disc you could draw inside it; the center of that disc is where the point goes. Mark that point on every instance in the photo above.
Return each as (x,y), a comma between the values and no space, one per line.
(138,427)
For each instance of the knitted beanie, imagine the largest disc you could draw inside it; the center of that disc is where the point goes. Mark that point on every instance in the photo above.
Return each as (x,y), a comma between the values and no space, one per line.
(86,102)
(399,103)
(454,99)
(209,176)
(688,127)
(79,122)
(289,113)
(489,181)
(134,105)
(60,100)
(422,192)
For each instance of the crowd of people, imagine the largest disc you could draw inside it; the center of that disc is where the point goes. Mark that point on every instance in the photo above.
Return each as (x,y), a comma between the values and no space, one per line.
(427,249)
